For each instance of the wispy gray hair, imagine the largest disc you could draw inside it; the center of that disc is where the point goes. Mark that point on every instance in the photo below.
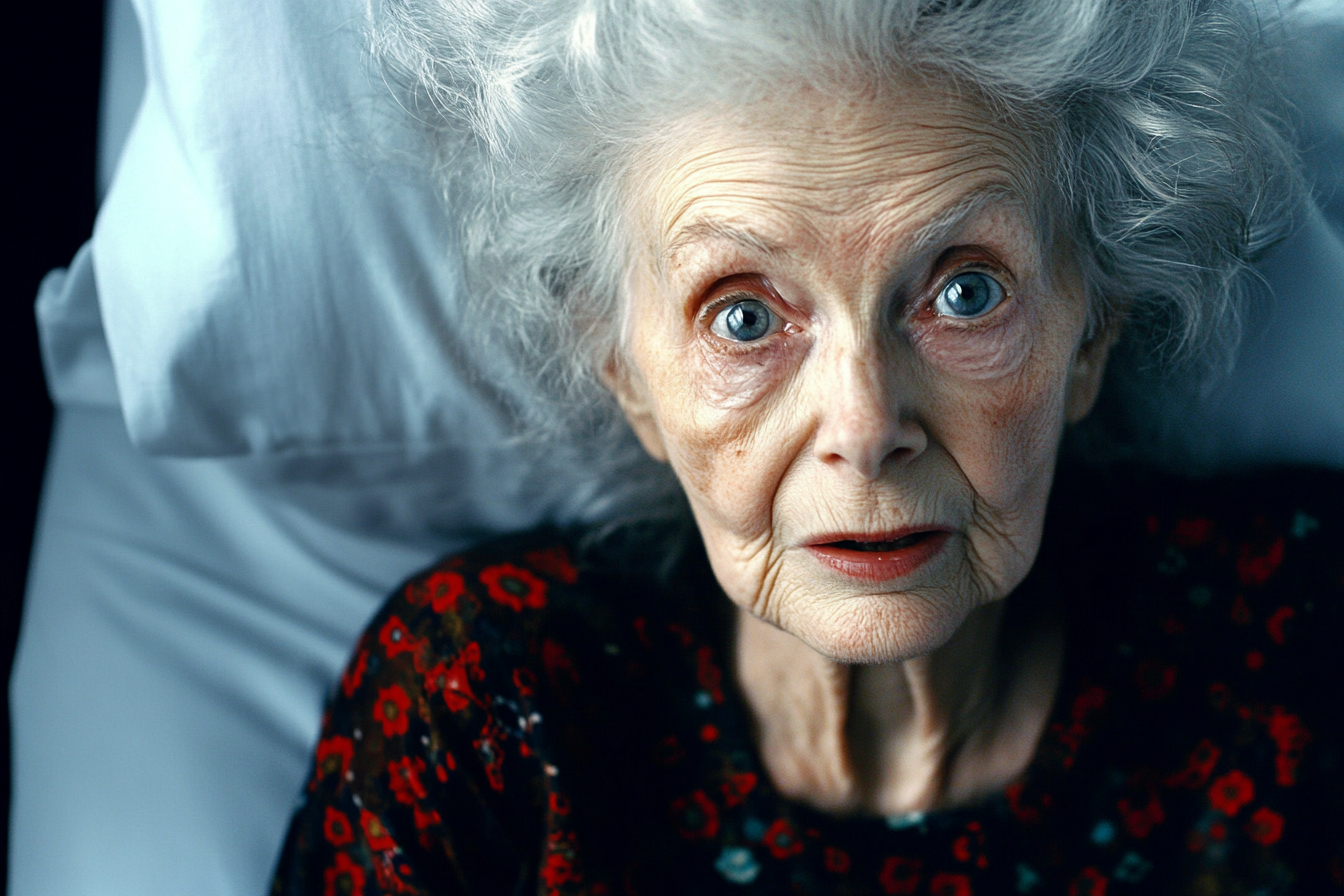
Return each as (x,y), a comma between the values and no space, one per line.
(1165,160)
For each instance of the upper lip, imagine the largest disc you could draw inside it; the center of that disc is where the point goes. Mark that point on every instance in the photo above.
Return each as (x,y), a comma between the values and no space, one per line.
(830,538)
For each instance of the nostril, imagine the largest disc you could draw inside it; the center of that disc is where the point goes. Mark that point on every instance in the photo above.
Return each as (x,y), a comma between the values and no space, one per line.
(870,444)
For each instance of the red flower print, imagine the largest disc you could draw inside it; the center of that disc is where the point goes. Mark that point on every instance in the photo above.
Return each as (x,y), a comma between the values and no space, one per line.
(1265,826)
(1285,770)
(390,710)
(559,803)
(558,870)
(1016,805)
(336,827)
(1241,611)
(375,832)
(1154,678)
(345,878)
(514,587)
(442,590)
(1140,817)
(1255,564)
(1090,882)
(696,816)
(781,839)
(681,633)
(1088,702)
(837,860)
(1192,532)
(396,638)
(708,674)
(492,757)
(668,751)
(709,733)
(525,681)
(455,679)
(388,881)
(557,662)
(945,884)
(553,562)
(1254,659)
(899,876)
(334,755)
(1230,792)
(425,819)
(1203,758)
(1290,736)
(1277,624)
(354,673)
(736,788)
(405,779)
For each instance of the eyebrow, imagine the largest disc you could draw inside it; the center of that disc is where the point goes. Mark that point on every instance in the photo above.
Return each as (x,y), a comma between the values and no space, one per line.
(709,228)
(948,221)
(706,228)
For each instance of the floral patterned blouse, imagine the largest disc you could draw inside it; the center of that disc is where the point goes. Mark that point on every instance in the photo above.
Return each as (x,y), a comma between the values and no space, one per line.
(529,718)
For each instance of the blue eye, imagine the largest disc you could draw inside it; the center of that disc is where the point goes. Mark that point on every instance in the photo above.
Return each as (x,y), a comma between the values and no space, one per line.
(969,295)
(744,321)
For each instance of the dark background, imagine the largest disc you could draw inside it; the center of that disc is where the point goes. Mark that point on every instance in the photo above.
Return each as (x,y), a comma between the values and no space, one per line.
(53,59)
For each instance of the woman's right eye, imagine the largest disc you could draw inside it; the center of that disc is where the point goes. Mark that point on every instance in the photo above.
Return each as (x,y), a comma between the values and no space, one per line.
(744,321)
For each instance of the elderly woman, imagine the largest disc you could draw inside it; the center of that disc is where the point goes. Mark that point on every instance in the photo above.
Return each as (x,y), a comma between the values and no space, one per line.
(849,270)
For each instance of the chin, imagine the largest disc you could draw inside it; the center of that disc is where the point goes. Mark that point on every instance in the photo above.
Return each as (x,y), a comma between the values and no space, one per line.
(868,629)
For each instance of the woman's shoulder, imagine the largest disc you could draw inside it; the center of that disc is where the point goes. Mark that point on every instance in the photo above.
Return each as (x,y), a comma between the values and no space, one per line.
(1255,537)
(1205,616)
(497,605)
(1241,572)
(483,680)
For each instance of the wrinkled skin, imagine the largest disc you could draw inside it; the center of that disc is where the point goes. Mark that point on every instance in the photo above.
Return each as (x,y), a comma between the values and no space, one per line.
(863,410)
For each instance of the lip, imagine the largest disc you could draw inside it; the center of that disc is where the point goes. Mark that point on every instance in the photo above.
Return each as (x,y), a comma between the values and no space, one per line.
(879,566)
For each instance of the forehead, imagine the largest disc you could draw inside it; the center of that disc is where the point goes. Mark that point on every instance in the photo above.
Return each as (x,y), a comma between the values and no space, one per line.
(808,168)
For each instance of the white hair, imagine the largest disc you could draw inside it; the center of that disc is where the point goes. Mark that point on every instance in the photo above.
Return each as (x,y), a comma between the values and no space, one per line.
(1164,160)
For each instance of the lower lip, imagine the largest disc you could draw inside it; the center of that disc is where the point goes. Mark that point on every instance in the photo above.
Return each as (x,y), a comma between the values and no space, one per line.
(874,566)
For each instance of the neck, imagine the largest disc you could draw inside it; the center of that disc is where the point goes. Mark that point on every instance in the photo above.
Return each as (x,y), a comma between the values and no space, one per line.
(924,733)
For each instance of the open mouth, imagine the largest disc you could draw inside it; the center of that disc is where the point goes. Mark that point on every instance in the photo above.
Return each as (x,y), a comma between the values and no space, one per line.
(880,559)
(878,547)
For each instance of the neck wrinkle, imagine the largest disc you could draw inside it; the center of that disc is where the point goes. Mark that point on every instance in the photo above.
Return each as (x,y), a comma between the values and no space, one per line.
(877,738)
(909,720)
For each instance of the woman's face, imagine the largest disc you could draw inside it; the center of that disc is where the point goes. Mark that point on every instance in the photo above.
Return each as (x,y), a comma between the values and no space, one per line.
(843,336)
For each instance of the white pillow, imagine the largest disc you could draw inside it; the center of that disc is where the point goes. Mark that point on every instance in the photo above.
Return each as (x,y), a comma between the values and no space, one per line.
(271,280)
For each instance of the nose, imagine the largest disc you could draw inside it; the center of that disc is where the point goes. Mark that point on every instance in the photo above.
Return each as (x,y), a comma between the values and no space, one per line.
(863,422)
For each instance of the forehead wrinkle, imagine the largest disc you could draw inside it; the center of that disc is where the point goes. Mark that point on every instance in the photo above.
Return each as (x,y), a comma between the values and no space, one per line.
(832,186)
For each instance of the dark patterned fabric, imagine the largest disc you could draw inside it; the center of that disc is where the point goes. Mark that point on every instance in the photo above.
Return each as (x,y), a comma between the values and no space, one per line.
(529,719)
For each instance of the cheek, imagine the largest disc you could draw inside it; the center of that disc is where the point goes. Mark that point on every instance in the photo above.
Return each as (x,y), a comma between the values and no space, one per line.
(998,403)
(728,421)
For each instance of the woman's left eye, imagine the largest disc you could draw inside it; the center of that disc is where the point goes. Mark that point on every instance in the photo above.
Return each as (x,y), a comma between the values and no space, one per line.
(744,321)
(968,295)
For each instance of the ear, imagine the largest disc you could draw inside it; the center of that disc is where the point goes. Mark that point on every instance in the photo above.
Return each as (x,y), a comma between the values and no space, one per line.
(1089,369)
(632,394)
